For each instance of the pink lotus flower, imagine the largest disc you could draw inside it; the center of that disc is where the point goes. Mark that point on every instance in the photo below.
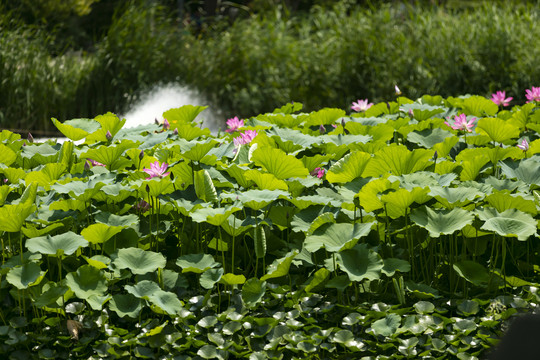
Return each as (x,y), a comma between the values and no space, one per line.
(142,206)
(156,170)
(461,123)
(245,138)
(318,172)
(524,145)
(234,124)
(533,94)
(361,105)
(95,163)
(500,98)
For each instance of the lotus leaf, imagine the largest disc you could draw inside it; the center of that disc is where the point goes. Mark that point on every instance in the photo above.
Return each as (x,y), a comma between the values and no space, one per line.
(87,281)
(336,237)
(139,261)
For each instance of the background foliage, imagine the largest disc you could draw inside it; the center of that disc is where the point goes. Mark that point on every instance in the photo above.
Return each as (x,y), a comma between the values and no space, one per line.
(246,58)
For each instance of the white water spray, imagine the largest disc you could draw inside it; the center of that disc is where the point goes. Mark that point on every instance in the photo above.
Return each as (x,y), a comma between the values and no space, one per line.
(153,104)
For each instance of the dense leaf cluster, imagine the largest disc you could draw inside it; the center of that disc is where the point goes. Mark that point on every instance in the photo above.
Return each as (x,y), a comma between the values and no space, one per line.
(384,233)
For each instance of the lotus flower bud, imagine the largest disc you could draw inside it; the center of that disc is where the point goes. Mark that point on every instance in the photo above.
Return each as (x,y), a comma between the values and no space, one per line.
(435,156)
(156,121)
(322,129)
(175,132)
(86,165)
(147,188)
(108,135)
(30,138)
(141,155)
(166,125)
(172,176)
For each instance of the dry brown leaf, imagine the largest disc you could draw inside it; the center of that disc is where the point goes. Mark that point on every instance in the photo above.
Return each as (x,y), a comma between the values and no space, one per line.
(74,329)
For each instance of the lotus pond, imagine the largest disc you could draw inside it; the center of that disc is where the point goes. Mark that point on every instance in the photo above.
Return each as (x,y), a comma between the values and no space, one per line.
(405,230)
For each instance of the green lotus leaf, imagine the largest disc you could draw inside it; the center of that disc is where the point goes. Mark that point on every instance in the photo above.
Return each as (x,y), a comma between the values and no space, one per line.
(441,222)
(190,132)
(253,291)
(360,263)
(139,261)
(398,202)
(4,191)
(497,129)
(143,289)
(7,156)
(158,186)
(26,275)
(182,115)
(76,129)
(472,167)
(295,136)
(231,279)
(211,352)
(280,267)
(348,168)
(204,187)
(337,237)
(63,244)
(112,155)
(87,281)
(398,160)
(455,197)
(196,263)
(164,302)
(478,106)
(324,116)
(13,175)
(123,221)
(276,162)
(214,216)
(98,261)
(511,222)
(391,265)
(233,226)
(210,277)
(473,272)
(386,326)
(319,278)
(369,197)
(198,150)
(422,111)
(109,123)
(320,220)
(289,108)
(265,181)
(503,201)
(46,176)
(99,233)
(444,148)
(304,219)
(428,138)
(526,170)
(31,231)
(257,199)
(424,307)
(239,174)
(68,204)
(423,179)
(50,295)
(125,305)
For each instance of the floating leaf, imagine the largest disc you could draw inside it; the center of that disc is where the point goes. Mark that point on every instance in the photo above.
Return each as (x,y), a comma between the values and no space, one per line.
(387,326)
(139,261)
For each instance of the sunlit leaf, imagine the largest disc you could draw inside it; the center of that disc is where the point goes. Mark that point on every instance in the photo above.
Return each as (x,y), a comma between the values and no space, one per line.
(337,237)
(280,267)
(398,160)
(62,244)
(441,222)
(210,277)
(76,129)
(511,222)
(204,187)
(253,291)
(125,305)
(139,261)
(278,163)
(87,281)
(473,272)
(7,156)
(183,114)
(196,263)
(497,129)
(25,275)
(348,168)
